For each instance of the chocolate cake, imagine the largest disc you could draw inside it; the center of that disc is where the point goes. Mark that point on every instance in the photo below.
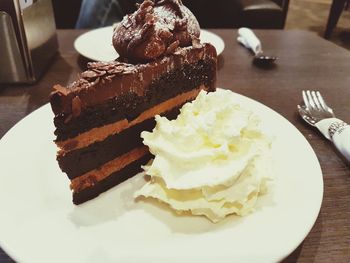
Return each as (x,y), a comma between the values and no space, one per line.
(100,116)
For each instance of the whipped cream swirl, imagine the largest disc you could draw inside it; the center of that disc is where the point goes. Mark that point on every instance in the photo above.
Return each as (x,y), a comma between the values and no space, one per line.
(213,160)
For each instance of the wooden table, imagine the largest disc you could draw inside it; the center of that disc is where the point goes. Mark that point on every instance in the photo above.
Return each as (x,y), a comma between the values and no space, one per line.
(306,61)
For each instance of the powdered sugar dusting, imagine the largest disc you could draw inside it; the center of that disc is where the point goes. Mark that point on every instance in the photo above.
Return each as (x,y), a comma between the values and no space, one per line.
(156,29)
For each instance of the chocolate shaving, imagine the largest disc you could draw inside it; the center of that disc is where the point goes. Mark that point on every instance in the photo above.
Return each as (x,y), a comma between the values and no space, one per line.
(181,24)
(103,71)
(97,80)
(139,38)
(116,70)
(127,22)
(149,18)
(145,7)
(172,47)
(62,90)
(165,34)
(99,65)
(129,70)
(89,74)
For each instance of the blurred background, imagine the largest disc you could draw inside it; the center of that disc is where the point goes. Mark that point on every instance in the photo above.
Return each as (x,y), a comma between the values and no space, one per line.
(311,15)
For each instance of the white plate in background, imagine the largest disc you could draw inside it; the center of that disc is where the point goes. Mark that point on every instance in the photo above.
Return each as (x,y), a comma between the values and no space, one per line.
(97,44)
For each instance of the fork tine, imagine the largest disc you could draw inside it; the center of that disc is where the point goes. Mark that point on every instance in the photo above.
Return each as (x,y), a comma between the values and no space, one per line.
(315,108)
(310,100)
(305,99)
(321,101)
(315,100)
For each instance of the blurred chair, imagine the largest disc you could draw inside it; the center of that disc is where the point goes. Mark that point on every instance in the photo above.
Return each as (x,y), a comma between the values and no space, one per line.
(336,9)
(264,13)
(215,14)
(66,12)
(237,13)
(210,14)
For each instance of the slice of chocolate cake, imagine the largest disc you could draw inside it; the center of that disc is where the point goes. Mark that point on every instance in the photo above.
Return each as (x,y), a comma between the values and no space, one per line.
(100,116)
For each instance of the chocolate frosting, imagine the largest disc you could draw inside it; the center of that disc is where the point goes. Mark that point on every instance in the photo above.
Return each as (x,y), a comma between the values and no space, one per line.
(102,80)
(156,29)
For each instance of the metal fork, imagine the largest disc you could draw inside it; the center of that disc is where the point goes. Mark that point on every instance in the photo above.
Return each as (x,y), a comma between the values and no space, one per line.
(315,108)
(317,113)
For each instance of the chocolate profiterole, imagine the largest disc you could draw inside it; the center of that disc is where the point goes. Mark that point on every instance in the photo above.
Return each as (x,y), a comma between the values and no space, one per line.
(99,117)
(157,28)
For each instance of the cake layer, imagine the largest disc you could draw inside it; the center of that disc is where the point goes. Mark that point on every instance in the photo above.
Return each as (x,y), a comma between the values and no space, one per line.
(128,106)
(92,177)
(80,161)
(101,133)
(111,180)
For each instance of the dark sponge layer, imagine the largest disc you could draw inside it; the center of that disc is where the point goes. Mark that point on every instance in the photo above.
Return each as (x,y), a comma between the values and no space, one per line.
(112,180)
(130,106)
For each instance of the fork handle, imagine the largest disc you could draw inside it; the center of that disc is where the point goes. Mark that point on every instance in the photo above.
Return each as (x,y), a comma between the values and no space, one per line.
(341,138)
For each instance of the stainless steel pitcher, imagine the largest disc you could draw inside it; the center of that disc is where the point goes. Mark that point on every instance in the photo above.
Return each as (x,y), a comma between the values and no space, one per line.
(28,39)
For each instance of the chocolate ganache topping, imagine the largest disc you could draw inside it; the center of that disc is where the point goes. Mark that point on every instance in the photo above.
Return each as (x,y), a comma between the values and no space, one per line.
(156,29)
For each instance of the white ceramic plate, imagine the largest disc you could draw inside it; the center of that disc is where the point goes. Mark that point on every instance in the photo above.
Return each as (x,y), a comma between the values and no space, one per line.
(39,223)
(97,44)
